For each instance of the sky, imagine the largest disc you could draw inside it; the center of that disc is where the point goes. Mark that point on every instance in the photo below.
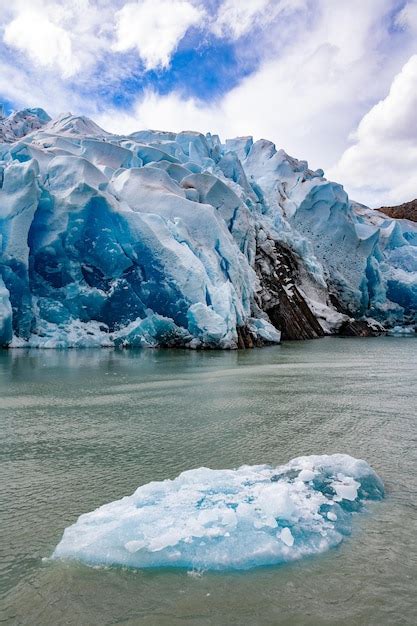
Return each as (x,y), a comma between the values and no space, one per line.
(330,81)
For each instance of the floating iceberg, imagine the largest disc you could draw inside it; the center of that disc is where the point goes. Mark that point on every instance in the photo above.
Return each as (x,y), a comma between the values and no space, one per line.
(227,519)
(177,239)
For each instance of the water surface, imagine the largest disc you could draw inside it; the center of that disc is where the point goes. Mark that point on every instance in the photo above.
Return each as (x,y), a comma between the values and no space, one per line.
(81,428)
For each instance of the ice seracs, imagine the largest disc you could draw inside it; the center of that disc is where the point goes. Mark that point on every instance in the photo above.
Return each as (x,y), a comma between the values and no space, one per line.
(178,239)
(21,123)
(227,519)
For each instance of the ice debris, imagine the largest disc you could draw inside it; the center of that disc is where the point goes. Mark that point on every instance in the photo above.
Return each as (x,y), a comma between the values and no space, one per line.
(227,519)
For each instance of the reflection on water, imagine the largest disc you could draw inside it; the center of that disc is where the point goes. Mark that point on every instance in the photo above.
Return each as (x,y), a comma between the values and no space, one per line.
(80,428)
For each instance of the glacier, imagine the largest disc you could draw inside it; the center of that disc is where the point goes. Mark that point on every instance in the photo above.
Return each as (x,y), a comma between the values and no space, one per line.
(227,519)
(177,239)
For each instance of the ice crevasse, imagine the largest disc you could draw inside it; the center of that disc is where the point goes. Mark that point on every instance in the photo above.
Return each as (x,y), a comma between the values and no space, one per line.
(227,519)
(178,239)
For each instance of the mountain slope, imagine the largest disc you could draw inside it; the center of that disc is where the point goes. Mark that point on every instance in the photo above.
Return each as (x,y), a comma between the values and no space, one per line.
(406,211)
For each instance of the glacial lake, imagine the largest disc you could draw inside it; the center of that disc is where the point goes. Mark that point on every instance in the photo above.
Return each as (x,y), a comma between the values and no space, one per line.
(82,428)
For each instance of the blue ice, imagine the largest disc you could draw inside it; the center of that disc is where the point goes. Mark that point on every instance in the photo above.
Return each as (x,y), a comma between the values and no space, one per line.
(228,519)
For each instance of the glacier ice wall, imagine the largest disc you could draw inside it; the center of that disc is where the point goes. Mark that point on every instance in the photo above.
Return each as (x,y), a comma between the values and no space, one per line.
(175,239)
(227,519)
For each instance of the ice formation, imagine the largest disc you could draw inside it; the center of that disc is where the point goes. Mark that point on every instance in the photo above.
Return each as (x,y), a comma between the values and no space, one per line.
(227,519)
(177,239)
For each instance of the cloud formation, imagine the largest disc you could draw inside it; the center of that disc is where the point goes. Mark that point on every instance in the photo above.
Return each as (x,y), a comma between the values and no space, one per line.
(322,79)
(383,158)
(154,28)
(43,41)
(236,17)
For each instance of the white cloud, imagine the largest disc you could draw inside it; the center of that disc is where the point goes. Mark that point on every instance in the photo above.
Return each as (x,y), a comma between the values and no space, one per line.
(237,17)
(407,17)
(307,99)
(43,41)
(25,88)
(170,112)
(154,28)
(322,66)
(381,167)
(67,38)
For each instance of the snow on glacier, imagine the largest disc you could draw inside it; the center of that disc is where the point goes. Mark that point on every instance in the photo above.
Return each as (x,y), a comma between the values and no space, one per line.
(227,519)
(151,239)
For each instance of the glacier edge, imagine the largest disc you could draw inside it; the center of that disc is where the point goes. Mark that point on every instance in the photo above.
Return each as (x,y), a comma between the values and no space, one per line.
(177,239)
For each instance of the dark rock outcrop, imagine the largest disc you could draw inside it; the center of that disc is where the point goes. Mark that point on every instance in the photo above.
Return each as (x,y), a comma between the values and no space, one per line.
(361,328)
(406,211)
(246,339)
(280,298)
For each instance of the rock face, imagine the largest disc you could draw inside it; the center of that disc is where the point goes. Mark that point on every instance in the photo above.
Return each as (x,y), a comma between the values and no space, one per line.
(406,211)
(177,239)
(280,297)
(361,328)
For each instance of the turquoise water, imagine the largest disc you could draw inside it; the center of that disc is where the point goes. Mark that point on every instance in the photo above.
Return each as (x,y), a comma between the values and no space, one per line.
(81,428)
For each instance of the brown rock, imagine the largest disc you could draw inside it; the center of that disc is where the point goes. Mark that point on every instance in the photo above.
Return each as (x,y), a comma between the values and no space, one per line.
(280,297)
(361,328)
(406,211)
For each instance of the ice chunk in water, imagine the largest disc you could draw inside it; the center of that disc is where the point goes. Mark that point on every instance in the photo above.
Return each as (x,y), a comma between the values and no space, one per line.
(227,519)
